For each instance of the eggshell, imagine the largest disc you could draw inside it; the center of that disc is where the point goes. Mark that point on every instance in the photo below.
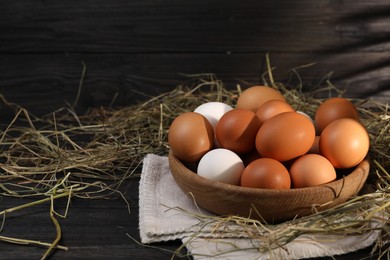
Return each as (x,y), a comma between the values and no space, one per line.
(285,136)
(266,173)
(213,111)
(344,142)
(221,165)
(311,170)
(333,109)
(190,136)
(311,119)
(237,129)
(272,108)
(253,97)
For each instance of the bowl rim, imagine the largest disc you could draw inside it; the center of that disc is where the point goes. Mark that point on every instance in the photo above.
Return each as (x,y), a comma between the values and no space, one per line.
(362,167)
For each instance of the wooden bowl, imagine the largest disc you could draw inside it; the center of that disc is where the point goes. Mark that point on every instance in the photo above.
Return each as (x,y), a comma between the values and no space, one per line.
(273,205)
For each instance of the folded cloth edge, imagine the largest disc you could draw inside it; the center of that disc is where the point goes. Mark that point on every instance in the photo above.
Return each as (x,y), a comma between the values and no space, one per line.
(153,166)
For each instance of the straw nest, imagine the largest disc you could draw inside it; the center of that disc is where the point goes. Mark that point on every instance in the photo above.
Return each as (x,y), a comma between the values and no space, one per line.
(91,156)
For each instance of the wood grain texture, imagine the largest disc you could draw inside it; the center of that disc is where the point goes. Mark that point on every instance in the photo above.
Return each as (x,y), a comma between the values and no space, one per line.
(93,229)
(197,26)
(45,82)
(134,47)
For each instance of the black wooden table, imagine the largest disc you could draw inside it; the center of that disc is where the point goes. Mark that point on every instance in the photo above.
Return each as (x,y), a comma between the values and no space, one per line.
(93,229)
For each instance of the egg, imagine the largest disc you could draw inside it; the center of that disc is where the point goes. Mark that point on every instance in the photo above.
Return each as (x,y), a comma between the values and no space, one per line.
(285,136)
(252,98)
(190,136)
(311,119)
(311,170)
(213,111)
(237,129)
(344,142)
(272,108)
(266,173)
(332,109)
(221,165)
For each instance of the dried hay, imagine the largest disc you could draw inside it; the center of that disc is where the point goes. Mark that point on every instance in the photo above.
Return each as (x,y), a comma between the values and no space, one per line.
(91,156)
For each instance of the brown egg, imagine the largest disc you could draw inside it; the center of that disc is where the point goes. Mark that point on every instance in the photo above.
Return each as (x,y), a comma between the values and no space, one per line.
(344,142)
(311,170)
(285,136)
(236,130)
(266,173)
(332,109)
(190,136)
(272,108)
(253,97)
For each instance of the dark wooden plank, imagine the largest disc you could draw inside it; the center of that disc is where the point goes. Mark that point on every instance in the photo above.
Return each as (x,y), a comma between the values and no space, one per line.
(45,82)
(196,26)
(93,229)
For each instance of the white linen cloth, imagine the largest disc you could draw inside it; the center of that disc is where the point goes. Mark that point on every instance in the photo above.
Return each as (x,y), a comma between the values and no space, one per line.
(165,213)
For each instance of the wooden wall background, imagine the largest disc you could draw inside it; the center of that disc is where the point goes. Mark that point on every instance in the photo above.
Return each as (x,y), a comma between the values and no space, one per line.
(143,46)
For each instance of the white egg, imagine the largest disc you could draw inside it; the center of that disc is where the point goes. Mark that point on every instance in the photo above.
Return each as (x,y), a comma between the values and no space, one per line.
(221,165)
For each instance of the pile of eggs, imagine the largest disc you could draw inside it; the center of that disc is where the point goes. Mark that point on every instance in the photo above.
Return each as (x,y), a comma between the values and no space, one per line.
(265,143)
